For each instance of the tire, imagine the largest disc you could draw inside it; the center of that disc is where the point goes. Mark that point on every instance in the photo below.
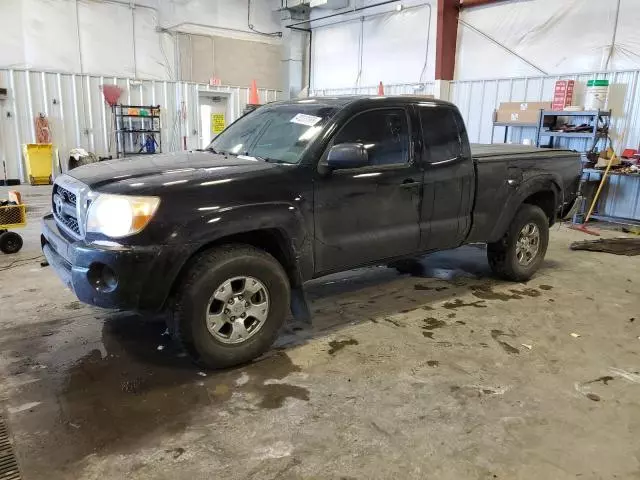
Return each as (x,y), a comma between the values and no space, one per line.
(207,273)
(10,242)
(503,254)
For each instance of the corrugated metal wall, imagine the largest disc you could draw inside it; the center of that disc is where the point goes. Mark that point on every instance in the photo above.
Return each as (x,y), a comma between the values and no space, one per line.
(392,89)
(477,100)
(79,117)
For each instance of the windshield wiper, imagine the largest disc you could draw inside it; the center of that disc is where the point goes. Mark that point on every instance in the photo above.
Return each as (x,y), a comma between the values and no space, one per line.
(268,160)
(222,152)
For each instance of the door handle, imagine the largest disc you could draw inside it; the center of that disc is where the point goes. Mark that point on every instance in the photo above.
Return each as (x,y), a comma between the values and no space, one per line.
(409,183)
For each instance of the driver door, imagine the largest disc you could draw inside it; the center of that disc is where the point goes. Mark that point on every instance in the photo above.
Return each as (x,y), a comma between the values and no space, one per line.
(370,213)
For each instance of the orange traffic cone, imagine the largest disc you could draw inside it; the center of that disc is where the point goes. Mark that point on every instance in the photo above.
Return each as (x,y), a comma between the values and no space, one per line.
(254,98)
(381,89)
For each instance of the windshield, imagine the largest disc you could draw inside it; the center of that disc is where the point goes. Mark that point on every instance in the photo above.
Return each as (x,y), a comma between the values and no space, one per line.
(278,133)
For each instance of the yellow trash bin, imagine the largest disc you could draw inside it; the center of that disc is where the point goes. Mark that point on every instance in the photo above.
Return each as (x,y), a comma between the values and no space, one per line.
(39,160)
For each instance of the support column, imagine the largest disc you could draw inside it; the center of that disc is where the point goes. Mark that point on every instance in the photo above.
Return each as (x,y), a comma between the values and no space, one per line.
(446,39)
(295,45)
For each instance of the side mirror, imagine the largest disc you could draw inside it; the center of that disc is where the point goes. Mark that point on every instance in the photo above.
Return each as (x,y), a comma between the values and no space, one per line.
(347,155)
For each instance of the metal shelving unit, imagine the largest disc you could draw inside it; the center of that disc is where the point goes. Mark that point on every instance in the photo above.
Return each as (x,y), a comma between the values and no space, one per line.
(599,120)
(137,130)
(508,125)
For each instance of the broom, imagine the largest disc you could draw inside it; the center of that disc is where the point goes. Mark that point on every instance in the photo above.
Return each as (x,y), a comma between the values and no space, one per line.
(583,227)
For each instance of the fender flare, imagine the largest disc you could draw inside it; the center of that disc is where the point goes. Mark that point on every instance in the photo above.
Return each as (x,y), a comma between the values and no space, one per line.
(532,184)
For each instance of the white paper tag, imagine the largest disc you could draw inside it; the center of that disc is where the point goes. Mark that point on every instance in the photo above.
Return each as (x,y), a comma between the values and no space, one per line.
(308,120)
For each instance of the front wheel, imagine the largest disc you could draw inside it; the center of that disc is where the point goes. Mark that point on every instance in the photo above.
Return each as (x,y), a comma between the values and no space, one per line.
(231,305)
(519,254)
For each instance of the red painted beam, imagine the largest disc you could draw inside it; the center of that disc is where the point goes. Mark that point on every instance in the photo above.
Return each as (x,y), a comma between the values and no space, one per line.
(477,3)
(446,38)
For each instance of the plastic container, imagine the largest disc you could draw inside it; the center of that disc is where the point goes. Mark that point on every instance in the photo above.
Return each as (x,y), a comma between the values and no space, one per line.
(597,94)
(39,161)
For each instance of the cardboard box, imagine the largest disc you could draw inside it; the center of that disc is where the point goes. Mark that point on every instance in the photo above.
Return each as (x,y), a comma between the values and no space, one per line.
(563,94)
(524,106)
(517,116)
(520,112)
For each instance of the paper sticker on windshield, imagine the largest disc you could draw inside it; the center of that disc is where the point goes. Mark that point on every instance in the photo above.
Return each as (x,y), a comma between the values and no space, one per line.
(308,120)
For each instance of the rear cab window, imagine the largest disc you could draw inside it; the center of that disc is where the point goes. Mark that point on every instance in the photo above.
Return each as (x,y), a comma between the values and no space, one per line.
(441,133)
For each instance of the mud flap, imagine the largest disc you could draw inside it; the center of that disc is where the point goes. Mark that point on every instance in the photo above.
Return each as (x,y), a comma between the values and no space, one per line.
(300,306)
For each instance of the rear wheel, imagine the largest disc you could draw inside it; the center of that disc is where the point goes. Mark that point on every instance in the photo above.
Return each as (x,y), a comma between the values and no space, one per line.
(232,303)
(10,242)
(519,254)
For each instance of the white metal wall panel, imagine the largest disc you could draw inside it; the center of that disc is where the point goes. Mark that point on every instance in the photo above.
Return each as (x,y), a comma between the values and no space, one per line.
(477,99)
(395,47)
(394,89)
(621,197)
(335,51)
(547,37)
(106,38)
(79,117)
(383,44)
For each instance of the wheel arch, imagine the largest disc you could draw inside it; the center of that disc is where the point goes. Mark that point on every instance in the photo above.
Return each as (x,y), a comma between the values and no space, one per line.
(274,241)
(541,191)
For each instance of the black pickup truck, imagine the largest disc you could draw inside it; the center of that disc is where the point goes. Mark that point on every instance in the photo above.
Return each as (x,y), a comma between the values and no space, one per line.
(225,238)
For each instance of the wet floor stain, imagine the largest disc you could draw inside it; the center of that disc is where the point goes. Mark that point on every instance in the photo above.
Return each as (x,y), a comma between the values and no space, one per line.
(275,394)
(496,334)
(421,287)
(114,389)
(429,324)
(457,303)
(393,322)
(545,287)
(605,380)
(433,363)
(432,323)
(486,292)
(175,452)
(528,292)
(336,345)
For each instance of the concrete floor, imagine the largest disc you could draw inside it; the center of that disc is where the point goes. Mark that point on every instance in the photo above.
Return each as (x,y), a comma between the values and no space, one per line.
(448,376)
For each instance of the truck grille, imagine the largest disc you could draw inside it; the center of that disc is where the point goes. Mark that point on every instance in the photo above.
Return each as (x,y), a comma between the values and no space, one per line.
(64,206)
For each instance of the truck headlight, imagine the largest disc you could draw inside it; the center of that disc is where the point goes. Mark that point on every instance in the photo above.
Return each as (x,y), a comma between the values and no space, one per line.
(120,215)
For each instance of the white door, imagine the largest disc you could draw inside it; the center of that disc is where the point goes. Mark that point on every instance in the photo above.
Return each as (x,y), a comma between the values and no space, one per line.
(213,117)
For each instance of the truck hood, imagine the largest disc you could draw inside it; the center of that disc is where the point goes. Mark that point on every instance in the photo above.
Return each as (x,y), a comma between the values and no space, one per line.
(160,170)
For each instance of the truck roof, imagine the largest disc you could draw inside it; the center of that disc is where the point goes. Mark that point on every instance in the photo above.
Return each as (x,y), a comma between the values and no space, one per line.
(343,101)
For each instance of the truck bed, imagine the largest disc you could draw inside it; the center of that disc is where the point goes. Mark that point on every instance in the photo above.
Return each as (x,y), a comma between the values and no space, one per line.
(497,164)
(502,151)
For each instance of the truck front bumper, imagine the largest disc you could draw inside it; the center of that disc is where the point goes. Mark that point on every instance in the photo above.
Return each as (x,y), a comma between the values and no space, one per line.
(120,277)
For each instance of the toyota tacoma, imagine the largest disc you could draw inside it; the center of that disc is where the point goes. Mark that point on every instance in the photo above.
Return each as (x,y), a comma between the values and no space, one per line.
(226,237)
